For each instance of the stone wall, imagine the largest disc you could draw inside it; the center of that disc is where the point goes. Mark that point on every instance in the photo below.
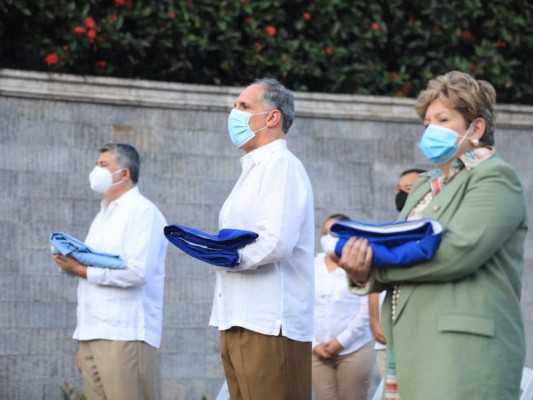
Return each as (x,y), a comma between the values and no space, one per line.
(51,127)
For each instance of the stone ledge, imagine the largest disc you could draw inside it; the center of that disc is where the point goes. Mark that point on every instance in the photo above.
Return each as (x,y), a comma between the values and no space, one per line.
(141,93)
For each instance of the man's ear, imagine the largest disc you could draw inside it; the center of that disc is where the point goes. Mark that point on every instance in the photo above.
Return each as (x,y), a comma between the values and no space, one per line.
(274,118)
(127,174)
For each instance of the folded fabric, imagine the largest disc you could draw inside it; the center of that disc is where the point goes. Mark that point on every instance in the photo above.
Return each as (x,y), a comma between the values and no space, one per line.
(70,246)
(220,249)
(394,244)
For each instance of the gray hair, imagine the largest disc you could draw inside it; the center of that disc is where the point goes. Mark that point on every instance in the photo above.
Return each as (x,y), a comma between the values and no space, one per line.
(278,97)
(126,157)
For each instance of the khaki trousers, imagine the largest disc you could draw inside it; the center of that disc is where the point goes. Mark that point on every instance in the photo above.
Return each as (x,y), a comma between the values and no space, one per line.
(117,370)
(263,367)
(345,377)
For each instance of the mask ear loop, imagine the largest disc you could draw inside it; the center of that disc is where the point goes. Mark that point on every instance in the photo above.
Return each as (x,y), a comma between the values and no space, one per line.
(116,172)
(467,133)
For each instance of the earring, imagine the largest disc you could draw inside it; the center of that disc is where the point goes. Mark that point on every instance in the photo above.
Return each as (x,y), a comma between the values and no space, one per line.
(475,142)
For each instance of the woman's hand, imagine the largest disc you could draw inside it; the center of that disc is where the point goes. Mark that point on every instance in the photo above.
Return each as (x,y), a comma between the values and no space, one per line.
(321,352)
(333,347)
(356,259)
(328,350)
(377,332)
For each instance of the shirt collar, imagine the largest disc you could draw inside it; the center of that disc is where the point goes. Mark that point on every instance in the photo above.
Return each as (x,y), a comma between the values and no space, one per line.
(469,160)
(475,157)
(258,155)
(123,199)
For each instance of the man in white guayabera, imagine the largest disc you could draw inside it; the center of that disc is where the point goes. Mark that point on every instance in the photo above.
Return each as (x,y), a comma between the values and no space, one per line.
(264,305)
(119,316)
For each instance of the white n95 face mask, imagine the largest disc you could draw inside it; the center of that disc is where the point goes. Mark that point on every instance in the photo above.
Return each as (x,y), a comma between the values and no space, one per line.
(328,243)
(101,179)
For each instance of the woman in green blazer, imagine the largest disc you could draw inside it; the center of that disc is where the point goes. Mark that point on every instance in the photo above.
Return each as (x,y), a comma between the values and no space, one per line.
(453,324)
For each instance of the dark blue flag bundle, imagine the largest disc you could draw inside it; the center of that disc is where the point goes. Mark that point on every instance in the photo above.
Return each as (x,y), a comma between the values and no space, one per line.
(67,245)
(220,249)
(394,244)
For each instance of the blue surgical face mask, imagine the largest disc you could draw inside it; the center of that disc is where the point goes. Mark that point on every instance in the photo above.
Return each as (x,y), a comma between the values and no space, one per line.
(439,144)
(239,126)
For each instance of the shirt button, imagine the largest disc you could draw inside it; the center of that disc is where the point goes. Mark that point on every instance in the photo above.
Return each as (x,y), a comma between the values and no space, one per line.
(436,208)
(220,295)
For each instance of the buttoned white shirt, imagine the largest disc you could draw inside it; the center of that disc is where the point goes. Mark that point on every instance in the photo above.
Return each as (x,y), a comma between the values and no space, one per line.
(339,314)
(272,290)
(125,305)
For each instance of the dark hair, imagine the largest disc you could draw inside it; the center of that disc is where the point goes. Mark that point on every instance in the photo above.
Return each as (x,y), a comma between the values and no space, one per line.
(411,171)
(278,97)
(338,217)
(126,157)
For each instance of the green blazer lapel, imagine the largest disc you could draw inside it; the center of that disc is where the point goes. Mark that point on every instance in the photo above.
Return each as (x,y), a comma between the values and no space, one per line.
(444,199)
(433,210)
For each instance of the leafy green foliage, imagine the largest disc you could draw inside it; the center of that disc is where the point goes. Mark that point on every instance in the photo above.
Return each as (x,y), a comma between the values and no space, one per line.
(382,47)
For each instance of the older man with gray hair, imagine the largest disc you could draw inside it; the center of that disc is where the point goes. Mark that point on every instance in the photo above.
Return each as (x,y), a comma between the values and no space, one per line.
(264,305)
(119,316)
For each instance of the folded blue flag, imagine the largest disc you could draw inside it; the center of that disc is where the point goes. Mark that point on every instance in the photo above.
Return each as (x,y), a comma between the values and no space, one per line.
(220,249)
(395,244)
(67,245)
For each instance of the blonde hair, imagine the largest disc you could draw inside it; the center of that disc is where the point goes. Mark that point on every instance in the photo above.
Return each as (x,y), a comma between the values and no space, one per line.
(470,97)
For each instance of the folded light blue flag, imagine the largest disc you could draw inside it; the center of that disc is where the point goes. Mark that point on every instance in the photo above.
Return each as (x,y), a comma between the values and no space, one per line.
(70,246)
(395,244)
(220,249)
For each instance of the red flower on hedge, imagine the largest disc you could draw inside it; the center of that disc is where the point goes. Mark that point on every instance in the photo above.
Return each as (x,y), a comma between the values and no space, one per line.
(374,26)
(394,76)
(248,20)
(258,46)
(468,35)
(171,15)
(112,18)
(271,30)
(328,50)
(89,22)
(501,43)
(124,3)
(91,35)
(51,59)
(79,30)
(101,64)
(306,16)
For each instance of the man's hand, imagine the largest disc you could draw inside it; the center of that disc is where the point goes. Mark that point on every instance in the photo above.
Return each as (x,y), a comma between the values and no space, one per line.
(356,259)
(70,266)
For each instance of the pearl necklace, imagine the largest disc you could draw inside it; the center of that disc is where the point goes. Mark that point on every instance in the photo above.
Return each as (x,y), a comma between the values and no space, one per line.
(395,300)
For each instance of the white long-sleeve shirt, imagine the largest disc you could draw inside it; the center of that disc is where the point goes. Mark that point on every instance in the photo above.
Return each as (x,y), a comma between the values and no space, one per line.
(339,314)
(125,304)
(272,290)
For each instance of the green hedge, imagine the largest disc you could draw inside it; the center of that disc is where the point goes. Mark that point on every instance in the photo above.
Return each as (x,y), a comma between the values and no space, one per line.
(366,47)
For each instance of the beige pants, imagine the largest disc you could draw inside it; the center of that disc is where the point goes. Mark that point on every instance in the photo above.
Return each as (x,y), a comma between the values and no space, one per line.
(262,367)
(116,370)
(346,377)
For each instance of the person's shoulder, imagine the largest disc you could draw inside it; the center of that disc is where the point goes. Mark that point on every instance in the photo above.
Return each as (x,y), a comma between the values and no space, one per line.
(283,154)
(142,205)
(497,165)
